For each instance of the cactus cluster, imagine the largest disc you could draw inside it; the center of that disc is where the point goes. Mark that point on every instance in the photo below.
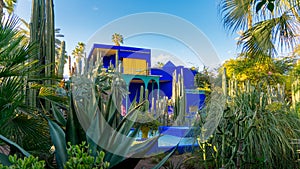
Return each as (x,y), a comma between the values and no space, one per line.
(158,109)
(178,98)
(233,87)
(162,110)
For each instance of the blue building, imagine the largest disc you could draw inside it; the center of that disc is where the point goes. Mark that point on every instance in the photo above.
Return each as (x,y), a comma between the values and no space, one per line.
(135,66)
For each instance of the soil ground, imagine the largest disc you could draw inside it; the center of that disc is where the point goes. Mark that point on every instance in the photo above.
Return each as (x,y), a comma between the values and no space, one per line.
(149,163)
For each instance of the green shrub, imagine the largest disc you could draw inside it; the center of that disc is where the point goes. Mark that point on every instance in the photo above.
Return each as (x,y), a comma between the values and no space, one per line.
(80,157)
(257,133)
(30,162)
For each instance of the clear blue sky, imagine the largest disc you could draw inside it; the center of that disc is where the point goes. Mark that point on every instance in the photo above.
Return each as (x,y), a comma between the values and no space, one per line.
(80,19)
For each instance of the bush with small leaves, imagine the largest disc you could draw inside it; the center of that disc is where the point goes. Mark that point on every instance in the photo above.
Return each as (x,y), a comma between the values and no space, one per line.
(80,157)
(30,162)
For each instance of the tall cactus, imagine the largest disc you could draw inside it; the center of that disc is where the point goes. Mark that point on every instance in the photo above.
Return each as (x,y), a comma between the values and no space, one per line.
(49,35)
(295,91)
(61,59)
(179,98)
(42,33)
(295,85)
(162,110)
(224,83)
(143,98)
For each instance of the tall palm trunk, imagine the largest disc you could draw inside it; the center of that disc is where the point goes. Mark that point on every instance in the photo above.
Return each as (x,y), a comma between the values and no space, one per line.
(249,17)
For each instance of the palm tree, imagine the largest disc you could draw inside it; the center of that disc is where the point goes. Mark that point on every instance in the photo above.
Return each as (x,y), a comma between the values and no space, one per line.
(78,52)
(264,32)
(117,39)
(18,122)
(8,5)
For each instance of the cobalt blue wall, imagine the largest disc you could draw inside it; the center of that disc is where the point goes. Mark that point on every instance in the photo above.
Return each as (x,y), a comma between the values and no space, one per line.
(188,78)
(165,81)
(195,100)
(165,72)
(125,52)
(108,59)
(134,89)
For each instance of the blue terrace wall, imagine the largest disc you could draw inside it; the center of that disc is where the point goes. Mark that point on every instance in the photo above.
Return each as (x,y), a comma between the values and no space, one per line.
(194,97)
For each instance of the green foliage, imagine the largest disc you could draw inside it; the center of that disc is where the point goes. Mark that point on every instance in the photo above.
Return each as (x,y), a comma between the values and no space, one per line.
(262,72)
(105,124)
(78,52)
(63,130)
(18,122)
(146,119)
(58,139)
(9,5)
(13,144)
(265,27)
(254,131)
(81,158)
(202,80)
(30,162)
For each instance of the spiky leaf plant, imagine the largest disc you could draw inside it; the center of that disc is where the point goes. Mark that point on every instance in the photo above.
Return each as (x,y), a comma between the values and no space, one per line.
(17,121)
(257,133)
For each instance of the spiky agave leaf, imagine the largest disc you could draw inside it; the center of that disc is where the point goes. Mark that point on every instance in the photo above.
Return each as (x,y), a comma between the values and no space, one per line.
(100,126)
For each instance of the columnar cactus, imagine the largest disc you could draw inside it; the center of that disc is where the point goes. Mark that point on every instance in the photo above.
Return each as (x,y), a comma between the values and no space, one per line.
(224,83)
(162,110)
(42,33)
(61,59)
(179,98)
(296,91)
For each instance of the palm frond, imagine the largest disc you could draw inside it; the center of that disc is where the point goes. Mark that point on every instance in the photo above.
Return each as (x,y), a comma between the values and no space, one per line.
(263,36)
(236,14)
(17,120)
(31,133)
